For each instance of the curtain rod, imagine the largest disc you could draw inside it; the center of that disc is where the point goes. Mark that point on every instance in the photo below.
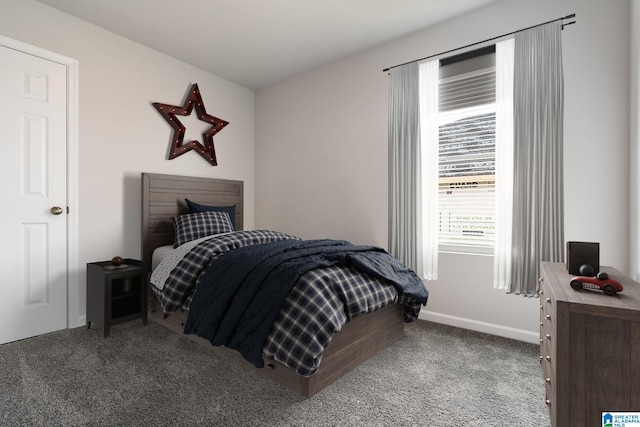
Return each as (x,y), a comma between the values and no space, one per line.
(573,15)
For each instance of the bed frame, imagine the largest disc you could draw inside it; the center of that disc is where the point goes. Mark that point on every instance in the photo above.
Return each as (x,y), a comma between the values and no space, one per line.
(163,197)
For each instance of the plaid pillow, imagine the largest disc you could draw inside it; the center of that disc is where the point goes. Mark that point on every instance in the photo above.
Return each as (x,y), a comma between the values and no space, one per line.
(196,225)
(196,207)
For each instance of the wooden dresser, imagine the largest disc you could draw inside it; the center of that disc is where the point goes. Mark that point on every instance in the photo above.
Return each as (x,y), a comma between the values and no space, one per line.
(589,348)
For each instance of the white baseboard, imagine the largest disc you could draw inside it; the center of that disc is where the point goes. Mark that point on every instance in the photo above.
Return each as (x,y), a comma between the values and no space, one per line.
(487,328)
(81,321)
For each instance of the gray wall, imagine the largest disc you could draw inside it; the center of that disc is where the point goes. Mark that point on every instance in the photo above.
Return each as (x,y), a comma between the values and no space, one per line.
(321,150)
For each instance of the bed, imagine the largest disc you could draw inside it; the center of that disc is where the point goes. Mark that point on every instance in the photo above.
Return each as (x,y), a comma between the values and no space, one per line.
(164,197)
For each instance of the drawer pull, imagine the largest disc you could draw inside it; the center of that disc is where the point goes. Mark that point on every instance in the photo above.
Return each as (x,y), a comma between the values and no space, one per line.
(540,323)
(540,279)
(548,317)
(547,358)
(548,402)
(548,300)
(547,380)
(548,336)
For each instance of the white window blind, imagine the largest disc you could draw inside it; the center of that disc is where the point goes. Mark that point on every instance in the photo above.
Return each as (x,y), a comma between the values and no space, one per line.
(467,159)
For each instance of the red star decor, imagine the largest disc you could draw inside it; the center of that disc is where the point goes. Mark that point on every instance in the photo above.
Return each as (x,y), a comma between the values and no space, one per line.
(178,146)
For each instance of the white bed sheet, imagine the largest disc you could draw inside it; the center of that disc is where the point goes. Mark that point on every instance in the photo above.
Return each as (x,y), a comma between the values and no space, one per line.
(159,254)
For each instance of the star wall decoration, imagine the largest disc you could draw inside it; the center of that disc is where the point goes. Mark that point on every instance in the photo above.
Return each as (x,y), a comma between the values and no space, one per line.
(178,146)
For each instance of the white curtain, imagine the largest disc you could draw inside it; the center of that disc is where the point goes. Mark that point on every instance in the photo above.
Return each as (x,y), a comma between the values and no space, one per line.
(413,172)
(504,163)
(429,135)
(404,164)
(538,199)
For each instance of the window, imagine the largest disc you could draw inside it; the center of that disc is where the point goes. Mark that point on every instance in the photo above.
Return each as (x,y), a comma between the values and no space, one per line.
(466,151)
(527,176)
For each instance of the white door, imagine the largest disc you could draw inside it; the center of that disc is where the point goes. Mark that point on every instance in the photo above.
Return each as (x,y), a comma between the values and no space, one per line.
(33,174)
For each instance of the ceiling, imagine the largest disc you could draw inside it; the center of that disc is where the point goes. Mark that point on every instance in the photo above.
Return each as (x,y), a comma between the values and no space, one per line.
(255,43)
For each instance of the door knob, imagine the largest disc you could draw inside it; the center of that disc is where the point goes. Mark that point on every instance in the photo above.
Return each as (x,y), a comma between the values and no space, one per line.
(56,210)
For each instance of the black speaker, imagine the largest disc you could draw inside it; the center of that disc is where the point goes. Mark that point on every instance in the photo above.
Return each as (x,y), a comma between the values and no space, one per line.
(579,253)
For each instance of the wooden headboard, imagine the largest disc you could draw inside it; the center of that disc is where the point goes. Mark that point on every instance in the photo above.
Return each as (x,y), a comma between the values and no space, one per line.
(163,197)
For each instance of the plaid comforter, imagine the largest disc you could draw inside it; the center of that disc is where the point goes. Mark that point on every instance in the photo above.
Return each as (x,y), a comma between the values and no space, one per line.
(317,307)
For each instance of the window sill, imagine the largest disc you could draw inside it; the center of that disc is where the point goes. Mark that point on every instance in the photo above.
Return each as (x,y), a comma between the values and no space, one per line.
(466,250)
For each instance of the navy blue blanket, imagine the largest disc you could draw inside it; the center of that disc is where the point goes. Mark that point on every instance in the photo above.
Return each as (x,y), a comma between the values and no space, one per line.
(239,294)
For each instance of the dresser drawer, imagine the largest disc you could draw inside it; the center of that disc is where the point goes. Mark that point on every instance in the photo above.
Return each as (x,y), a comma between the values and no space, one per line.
(548,343)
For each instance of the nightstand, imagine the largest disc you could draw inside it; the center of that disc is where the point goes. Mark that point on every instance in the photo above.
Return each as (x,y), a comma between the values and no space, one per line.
(116,294)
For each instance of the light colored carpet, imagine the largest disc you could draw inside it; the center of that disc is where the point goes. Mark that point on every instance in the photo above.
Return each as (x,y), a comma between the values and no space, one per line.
(149,376)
